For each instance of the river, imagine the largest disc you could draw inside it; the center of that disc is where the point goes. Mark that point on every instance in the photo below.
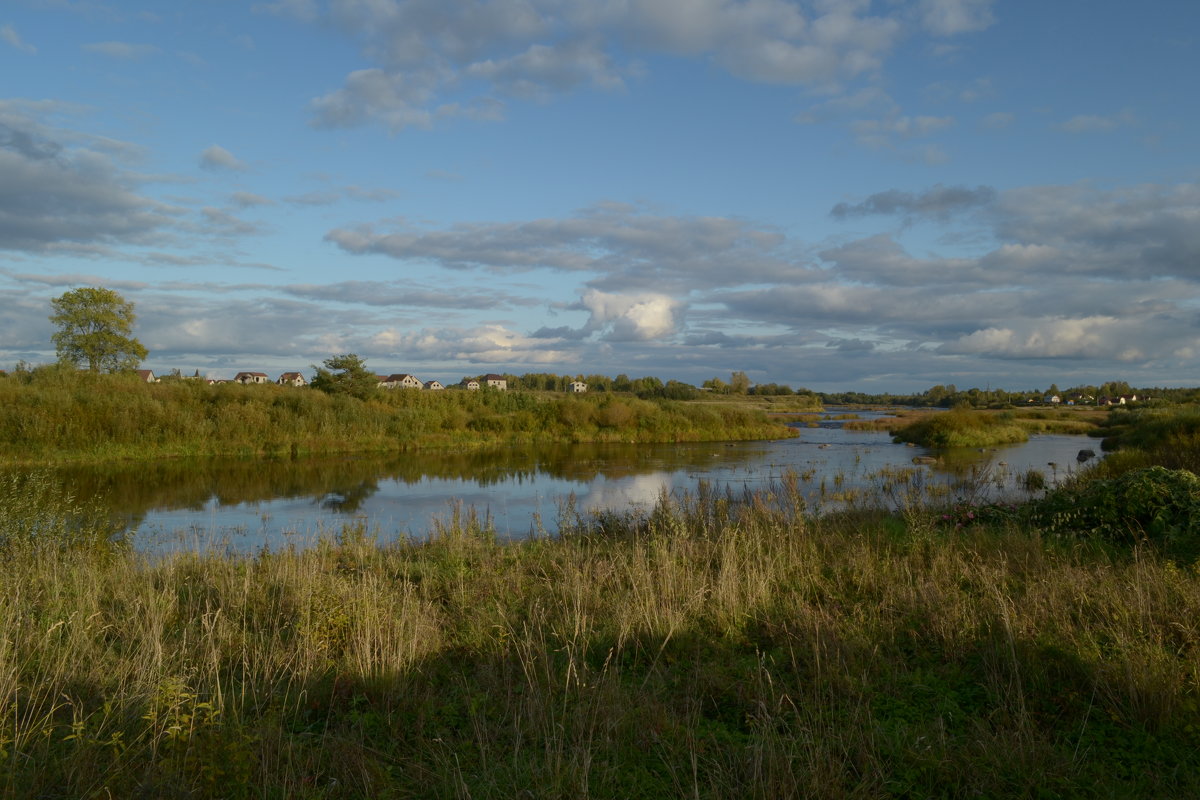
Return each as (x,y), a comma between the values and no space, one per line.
(247,504)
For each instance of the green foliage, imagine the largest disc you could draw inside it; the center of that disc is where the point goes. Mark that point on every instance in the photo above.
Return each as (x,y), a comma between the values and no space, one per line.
(961,428)
(95,327)
(345,375)
(55,413)
(1149,503)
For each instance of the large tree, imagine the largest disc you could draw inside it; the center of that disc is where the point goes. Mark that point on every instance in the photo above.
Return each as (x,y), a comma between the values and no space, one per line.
(345,374)
(95,326)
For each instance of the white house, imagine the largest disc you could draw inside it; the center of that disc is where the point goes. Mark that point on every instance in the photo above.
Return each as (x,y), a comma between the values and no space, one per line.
(495,381)
(402,380)
(578,387)
(251,377)
(434,386)
(292,379)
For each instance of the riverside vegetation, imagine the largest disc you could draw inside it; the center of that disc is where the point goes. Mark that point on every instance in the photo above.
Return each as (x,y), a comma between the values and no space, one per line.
(62,414)
(719,645)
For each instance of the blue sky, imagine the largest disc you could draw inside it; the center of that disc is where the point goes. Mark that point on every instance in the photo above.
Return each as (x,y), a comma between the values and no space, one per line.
(835,194)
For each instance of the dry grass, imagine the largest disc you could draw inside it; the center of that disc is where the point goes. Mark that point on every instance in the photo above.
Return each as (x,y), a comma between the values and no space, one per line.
(718,646)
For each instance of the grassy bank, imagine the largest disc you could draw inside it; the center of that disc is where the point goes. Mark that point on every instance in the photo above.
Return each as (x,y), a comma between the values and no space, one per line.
(57,415)
(963,427)
(717,646)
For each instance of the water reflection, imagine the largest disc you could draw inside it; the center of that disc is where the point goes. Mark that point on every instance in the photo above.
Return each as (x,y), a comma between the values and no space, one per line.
(520,490)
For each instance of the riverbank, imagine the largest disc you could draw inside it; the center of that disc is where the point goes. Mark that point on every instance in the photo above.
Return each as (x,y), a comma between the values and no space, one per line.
(64,416)
(717,645)
(963,427)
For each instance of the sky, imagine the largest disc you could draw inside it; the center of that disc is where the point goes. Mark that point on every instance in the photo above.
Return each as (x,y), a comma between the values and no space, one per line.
(877,196)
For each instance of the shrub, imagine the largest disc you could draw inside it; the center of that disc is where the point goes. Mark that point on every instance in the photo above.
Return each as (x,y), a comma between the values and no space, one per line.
(1150,503)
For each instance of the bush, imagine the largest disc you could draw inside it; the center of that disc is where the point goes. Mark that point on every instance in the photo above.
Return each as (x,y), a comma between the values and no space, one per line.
(1150,503)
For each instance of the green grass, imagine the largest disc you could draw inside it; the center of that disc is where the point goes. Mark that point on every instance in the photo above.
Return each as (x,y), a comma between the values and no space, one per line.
(62,415)
(716,646)
(962,428)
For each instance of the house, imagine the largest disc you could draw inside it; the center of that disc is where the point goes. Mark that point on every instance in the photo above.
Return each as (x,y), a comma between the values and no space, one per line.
(251,377)
(146,375)
(495,381)
(578,387)
(434,386)
(292,379)
(1052,399)
(470,384)
(401,380)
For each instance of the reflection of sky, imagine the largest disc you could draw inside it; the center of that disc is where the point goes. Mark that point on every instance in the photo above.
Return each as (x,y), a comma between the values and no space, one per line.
(531,502)
(639,491)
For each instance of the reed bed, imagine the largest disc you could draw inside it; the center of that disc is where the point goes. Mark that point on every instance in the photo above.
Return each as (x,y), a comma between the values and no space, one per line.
(56,414)
(717,646)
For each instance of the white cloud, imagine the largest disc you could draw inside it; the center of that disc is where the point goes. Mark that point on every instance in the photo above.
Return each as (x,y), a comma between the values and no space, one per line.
(632,317)
(9,35)
(216,158)
(1096,337)
(432,61)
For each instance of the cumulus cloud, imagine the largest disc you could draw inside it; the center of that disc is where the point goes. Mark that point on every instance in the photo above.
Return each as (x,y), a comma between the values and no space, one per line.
(216,158)
(1095,337)
(431,61)
(631,317)
(482,344)
(9,35)
(542,70)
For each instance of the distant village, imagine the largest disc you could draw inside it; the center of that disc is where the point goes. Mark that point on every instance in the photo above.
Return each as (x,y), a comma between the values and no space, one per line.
(399,380)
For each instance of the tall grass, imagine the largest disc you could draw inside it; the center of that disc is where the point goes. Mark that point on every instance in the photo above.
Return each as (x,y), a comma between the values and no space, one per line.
(962,428)
(717,645)
(57,414)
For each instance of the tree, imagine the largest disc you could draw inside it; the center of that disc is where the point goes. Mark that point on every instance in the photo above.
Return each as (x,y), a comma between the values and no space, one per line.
(95,325)
(739,383)
(345,374)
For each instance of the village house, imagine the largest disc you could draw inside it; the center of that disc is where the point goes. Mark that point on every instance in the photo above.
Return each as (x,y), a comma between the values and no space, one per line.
(495,381)
(470,385)
(578,387)
(292,379)
(251,377)
(401,380)
(434,386)
(146,375)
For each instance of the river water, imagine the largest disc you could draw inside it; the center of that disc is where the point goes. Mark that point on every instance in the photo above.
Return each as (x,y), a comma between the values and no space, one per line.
(244,505)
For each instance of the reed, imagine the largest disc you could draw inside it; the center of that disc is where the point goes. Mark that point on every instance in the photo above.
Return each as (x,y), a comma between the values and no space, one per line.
(54,414)
(717,645)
